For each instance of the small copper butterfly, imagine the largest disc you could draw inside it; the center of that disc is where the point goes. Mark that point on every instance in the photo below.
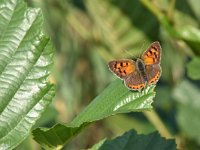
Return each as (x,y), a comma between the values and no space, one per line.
(141,72)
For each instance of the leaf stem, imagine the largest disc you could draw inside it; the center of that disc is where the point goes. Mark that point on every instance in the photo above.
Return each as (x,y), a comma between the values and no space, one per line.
(162,18)
(153,117)
(171,9)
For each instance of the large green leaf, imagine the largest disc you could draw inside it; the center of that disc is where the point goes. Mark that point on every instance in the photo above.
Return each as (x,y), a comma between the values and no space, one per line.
(131,139)
(25,61)
(115,99)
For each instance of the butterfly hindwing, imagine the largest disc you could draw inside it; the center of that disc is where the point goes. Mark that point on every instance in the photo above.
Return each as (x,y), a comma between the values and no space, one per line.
(134,81)
(153,73)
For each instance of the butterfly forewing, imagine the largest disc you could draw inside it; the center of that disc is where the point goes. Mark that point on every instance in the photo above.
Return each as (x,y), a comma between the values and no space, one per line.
(153,54)
(122,68)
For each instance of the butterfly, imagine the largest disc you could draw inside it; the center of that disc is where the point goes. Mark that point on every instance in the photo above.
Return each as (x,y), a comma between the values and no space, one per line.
(140,72)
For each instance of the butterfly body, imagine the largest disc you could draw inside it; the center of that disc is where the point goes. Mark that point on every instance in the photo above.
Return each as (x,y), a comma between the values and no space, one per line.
(140,66)
(144,71)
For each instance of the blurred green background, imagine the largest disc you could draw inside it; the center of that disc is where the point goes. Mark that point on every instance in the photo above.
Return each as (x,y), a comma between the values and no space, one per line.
(87,34)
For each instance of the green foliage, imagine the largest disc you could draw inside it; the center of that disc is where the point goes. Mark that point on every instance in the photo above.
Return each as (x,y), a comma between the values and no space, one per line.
(187,96)
(25,58)
(88,34)
(113,100)
(131,139)
(97,145)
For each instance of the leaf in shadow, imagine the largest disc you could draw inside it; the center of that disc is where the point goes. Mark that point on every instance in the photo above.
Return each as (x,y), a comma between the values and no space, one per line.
(131,140)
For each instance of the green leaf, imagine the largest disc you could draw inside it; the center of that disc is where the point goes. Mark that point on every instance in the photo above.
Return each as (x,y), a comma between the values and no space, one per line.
(25,61)
(97,145)
(115,99)
(131,139)
(55,137)
(120,123)
(188,112)
(191,35)
(193,68)
(194,6)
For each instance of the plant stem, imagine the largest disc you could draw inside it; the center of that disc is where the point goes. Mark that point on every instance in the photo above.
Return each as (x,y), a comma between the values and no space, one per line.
(162,18)
(153,117)
(171,9)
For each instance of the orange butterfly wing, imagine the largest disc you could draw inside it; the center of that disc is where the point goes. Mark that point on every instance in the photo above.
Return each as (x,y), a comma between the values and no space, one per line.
(152,58)
(122,68)
(153,54)
(126,69)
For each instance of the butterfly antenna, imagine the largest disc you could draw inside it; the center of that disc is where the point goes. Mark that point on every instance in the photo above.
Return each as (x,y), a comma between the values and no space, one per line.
(128,53)
(142,48)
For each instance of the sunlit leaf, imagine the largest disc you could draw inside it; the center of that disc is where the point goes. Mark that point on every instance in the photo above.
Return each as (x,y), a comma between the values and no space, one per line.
(191,35)
(97,145)
(194,5)
(25,61)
